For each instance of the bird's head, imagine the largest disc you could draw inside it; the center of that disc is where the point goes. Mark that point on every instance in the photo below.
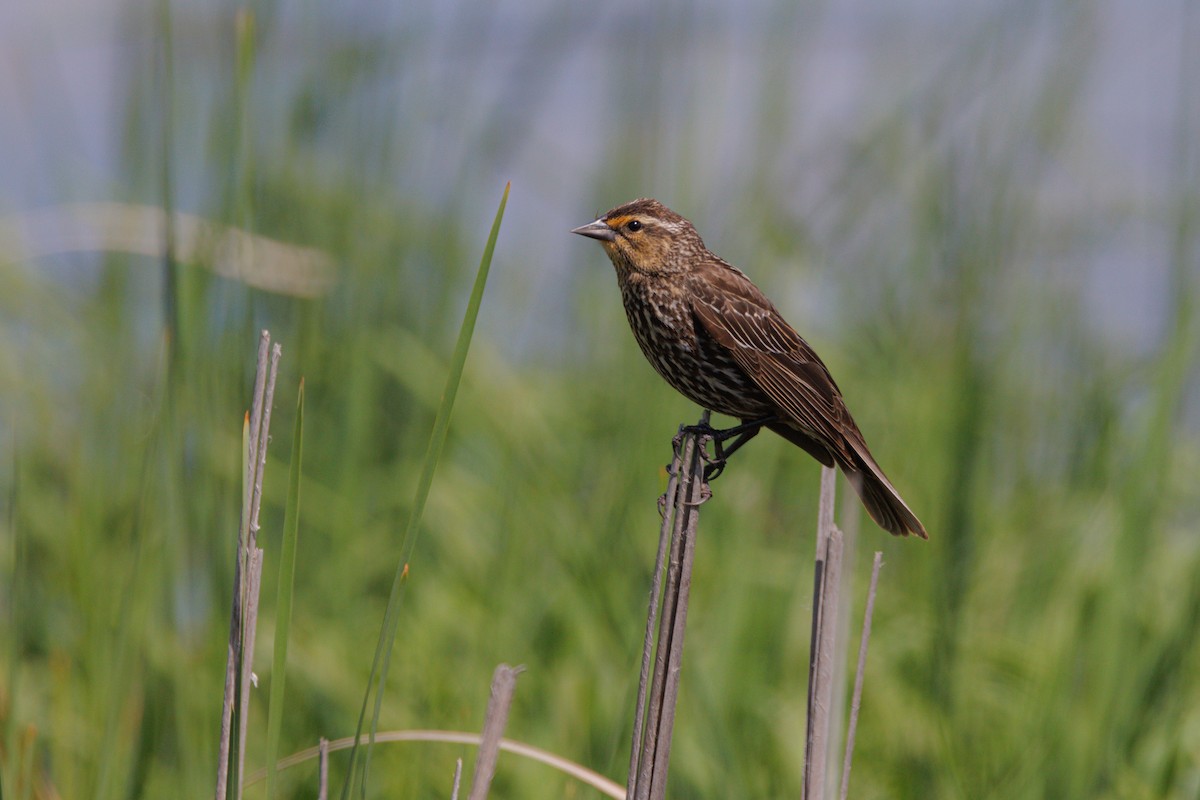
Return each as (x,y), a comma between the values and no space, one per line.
(645,237)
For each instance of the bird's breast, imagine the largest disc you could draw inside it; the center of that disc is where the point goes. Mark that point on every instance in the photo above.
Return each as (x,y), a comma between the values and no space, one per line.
(691,361)
(660,318)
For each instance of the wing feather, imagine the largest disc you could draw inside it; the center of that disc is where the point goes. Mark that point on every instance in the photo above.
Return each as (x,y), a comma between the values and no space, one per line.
(739,317)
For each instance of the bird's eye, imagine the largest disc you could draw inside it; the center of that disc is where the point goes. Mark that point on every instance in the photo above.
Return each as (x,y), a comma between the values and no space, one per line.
(633,226)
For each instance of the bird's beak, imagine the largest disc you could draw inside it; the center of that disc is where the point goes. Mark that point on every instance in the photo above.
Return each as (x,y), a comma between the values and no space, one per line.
(596,230)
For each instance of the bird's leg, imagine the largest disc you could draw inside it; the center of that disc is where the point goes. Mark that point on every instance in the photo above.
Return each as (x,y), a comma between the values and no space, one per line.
(721,452)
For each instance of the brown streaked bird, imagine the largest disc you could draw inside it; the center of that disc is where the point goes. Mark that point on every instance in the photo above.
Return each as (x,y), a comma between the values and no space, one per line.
(721,343)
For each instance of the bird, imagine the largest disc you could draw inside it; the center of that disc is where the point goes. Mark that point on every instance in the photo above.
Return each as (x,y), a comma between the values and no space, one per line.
(720,342)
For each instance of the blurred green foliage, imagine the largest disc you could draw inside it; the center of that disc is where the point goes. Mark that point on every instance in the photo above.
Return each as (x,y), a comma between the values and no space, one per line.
(1041,644)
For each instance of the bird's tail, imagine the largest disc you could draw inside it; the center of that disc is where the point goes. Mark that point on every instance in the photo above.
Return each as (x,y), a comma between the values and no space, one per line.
(881,499)
(883,502)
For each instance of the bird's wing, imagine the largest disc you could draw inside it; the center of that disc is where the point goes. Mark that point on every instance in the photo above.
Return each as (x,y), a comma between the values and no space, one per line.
(739,317)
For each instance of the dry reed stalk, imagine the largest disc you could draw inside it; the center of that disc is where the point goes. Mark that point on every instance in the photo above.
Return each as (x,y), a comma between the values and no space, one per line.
(457,779)
(859,673)
(826,588)
(504,682)
(654,717)
(323,769)
(239,673)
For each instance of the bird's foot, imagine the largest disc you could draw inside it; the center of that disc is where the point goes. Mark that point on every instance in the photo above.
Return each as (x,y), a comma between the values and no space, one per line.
(715,464)
(700,430)
(704,434)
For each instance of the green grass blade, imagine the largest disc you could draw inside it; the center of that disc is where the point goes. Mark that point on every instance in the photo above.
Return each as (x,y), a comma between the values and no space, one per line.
(283,603)
(387,635)
(170,295)
(16,588)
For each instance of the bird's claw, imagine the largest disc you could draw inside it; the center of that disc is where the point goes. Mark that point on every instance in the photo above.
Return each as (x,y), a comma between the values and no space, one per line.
(705,495)
(713,469)
(715,463)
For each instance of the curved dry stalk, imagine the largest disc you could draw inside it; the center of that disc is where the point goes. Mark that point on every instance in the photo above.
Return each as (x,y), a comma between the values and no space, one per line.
(577,771)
